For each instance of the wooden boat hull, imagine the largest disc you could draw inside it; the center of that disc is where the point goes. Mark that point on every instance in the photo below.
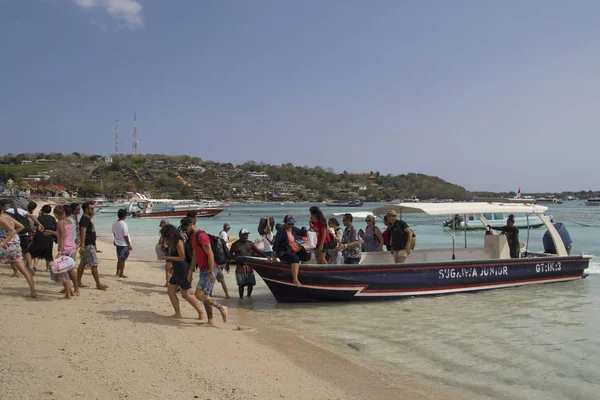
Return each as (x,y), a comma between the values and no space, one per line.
(202,213)
(396,281)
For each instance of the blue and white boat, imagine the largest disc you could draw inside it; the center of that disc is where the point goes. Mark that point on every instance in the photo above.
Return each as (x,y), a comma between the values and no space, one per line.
(430,271)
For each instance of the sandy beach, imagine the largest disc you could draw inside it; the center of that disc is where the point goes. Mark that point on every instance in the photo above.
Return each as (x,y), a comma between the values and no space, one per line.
(120,344)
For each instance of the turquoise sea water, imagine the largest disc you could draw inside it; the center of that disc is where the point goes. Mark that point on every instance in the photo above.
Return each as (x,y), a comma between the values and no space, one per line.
(534,342)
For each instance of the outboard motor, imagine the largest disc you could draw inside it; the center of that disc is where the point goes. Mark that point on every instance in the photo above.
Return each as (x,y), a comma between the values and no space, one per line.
(564,236)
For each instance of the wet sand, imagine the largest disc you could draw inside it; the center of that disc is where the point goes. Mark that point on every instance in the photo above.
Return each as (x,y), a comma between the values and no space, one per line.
(120,344)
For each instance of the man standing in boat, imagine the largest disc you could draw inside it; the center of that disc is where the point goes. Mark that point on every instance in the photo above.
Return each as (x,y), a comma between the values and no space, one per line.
(512,235)
(350,243)
(402,238)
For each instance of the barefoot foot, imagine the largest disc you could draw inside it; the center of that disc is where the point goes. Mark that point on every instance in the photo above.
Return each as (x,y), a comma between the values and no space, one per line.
(34,294)
(101,287)
(76,293)
(223,311)
(297,283)
(176,316)
(15,275)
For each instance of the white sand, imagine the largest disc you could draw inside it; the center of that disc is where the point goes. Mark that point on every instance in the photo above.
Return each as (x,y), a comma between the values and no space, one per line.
(119,344)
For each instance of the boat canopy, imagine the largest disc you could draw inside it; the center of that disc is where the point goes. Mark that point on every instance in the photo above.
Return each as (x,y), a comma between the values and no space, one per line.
(460,208)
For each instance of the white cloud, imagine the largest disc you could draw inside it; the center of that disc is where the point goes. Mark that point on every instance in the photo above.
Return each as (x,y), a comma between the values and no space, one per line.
(128,11)
(85,3)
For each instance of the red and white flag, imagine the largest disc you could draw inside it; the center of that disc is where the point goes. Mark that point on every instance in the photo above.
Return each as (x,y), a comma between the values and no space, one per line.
(519,193)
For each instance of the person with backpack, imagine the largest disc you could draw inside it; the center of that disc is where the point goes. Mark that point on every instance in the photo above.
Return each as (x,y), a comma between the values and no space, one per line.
(224,235)
(21,216)
(244,274)
(182,273)
(10,250)
(204,247)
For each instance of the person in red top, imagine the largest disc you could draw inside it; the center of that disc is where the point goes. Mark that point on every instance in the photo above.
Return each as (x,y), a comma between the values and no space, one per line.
(204,259)
(319,224)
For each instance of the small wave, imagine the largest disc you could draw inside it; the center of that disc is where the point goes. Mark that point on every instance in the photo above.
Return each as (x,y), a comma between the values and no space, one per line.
(594,267)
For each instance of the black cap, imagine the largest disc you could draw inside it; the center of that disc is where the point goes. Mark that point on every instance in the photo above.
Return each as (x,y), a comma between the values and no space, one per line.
(289,219)
(191,214)
(511,217)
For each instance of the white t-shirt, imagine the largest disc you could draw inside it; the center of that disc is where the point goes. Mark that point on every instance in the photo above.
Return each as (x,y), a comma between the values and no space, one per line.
(267,240)
(120,230)
(223,235)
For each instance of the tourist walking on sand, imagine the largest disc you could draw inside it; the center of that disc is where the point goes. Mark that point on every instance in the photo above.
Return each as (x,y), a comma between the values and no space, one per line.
(349,246)
(43,241)
(74,217)
(160,250)
(204,259)
(319,224)
(373,239)
(121,241)
(244,274)
(10,248)
(287,248)
(24,234)
(224,234)
(181,279)
(87,247)
(402,238)
(65,234)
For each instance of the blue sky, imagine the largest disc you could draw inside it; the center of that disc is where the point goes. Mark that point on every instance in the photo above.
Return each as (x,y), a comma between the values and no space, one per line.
(490,95)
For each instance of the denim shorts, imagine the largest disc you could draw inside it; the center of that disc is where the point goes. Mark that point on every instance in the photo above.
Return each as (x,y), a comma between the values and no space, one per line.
(204,282)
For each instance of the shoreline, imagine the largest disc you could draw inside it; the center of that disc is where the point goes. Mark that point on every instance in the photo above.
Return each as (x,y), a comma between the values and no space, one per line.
(121,344)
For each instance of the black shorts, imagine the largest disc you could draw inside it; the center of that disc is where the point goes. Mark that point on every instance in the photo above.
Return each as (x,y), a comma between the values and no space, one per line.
(294,258)
(180,275)
(25,243)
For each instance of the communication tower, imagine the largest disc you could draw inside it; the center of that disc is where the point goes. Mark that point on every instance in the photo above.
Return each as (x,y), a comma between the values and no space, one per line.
(136,144)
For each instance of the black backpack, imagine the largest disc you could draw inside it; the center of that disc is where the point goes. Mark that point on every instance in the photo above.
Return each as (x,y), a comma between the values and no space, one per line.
(219,248)
(22,220)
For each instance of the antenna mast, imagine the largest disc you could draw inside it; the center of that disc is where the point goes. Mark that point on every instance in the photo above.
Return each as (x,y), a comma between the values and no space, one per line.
(136,144)
(116,136)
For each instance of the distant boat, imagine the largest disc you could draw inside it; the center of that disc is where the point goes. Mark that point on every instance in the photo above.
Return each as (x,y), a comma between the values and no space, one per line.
(594,201)
(344,203)
(548,200)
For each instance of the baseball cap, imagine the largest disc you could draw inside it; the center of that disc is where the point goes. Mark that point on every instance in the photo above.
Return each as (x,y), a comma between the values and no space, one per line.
(244,232)
(289,219)
(391,212)
(226,225)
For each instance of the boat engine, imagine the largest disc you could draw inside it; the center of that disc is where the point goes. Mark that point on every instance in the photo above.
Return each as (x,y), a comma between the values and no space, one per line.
(564,236)
(457,220)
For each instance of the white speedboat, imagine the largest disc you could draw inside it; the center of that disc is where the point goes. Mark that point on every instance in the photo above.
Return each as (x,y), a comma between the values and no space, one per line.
(594,201)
